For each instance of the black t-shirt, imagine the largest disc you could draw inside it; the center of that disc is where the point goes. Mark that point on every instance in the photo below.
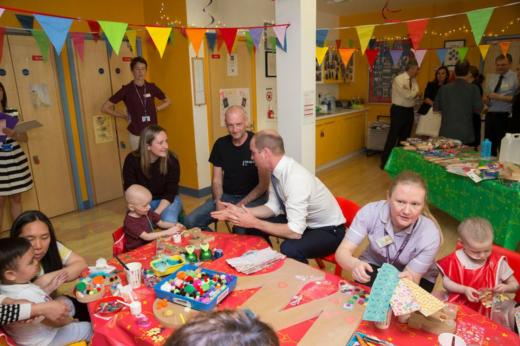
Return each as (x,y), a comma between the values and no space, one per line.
(240,172)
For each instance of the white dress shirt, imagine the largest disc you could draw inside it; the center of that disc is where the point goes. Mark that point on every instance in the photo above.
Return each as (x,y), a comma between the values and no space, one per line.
(306,200)
(402,95)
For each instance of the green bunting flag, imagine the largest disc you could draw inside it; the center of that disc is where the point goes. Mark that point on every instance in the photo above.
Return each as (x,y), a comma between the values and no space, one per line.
(462,52)
(42,42)
(114,31)
(478,19)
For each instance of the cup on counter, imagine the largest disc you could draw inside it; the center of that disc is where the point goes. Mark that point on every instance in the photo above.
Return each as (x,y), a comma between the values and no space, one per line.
(133,274)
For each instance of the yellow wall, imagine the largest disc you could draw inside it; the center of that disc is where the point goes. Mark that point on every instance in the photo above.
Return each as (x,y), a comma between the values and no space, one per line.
(359,87)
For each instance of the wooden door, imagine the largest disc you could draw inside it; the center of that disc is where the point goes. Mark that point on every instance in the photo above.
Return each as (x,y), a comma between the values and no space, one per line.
(219,79)
(29,199)
(39,100)
(94,86)
(120,75)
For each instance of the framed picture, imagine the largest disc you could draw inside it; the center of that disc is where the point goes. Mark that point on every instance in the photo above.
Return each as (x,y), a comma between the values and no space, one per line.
(270,64)
(454,43)
(452,55)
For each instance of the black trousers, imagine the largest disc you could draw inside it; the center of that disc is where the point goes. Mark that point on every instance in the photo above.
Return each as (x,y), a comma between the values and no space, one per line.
(401,123)
(496,126)
(314,243)
(427,285)
(477,126)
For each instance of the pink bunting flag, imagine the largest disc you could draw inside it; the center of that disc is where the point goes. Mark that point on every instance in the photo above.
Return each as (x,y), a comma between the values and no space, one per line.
(396,56)
(419,55)
(78,41)
(280,32)
(416,30)
(2,11)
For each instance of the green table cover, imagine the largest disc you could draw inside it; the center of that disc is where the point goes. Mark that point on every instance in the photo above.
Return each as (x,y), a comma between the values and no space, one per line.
(461,198)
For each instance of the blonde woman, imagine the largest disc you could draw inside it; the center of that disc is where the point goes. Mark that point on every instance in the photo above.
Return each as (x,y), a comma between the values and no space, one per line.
(153,166)
(400,231)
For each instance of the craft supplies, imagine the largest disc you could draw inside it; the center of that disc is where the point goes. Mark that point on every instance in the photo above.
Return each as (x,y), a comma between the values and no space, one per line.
(205,252)
(255,260)
(427,302)
(109,305)
(358,337)
(133,274)
(92,287)
(177,238)
(471,333)
(386,323)
(101,267)
(166,265)
(199,288)
(149,278)
(381,294)
(191,256)
(217,253)
(402,301)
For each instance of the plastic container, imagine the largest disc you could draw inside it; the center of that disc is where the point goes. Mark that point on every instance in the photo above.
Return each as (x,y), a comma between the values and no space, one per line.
(133,275)
(510,148)
(167,265)
(485,149)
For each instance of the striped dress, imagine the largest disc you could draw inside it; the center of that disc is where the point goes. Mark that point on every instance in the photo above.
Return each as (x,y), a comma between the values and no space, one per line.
(15,174)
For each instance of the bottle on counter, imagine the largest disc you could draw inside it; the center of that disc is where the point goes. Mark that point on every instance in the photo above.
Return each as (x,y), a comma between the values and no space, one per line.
(485,149)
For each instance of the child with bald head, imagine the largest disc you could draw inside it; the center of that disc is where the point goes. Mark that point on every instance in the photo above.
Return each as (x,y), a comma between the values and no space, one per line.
(140,220)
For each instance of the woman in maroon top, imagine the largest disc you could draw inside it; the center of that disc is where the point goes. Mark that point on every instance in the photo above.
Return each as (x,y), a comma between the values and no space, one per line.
(138,97)
(153,166)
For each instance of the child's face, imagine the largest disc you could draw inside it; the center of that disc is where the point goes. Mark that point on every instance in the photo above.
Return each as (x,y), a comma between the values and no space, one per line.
(26,268)
(477,251)
(142,208)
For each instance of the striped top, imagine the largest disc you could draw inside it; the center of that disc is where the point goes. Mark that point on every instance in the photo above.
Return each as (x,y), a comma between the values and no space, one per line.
(15,173)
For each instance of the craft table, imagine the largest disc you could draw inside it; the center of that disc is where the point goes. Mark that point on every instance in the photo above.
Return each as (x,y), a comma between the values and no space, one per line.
(460,197)
(318,319)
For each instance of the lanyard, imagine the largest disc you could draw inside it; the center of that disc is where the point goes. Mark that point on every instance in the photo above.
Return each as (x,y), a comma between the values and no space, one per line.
(141,98)
(149,223)
(403,245)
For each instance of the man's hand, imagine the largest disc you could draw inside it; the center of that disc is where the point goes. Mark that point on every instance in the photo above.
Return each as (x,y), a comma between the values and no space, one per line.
(219,205)
(225,213)
(243,218)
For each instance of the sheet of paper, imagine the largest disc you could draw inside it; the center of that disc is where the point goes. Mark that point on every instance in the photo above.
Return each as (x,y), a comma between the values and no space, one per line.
(403,301)
(382,291)
(25,126)
(429,304)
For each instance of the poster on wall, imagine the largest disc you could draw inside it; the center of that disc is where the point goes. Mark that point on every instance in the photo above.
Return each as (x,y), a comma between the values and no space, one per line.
(384,70)
(230,97)
(103,132)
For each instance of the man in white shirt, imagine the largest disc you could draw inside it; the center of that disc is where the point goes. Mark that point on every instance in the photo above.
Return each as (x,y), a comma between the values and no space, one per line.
(404,92)
(300,208)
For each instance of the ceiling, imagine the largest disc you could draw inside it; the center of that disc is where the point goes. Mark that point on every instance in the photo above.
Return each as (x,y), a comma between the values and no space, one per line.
(348,7)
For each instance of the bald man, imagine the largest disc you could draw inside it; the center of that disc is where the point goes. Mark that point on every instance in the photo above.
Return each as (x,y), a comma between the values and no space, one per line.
(236,179)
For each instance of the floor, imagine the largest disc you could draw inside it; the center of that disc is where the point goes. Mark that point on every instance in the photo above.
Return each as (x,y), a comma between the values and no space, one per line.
(88,232)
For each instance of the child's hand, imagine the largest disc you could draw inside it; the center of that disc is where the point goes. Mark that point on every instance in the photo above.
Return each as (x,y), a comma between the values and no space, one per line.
(472,294)
(500,288)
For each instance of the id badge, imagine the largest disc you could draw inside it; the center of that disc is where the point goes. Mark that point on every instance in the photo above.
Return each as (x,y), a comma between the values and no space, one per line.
(147,95)
(384,241)
(146,118)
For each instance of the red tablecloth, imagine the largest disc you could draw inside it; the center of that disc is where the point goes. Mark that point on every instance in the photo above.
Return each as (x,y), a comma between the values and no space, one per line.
(121,328)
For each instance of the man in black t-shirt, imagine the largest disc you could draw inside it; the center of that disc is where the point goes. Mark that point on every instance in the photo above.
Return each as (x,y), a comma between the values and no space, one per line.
(236,179)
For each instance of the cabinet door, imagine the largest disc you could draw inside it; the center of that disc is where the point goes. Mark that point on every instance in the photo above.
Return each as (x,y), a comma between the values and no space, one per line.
(94,86)
(39,100)
(326,142)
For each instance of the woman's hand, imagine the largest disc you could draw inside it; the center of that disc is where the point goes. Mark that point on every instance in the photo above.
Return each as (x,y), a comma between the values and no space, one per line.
(360,271)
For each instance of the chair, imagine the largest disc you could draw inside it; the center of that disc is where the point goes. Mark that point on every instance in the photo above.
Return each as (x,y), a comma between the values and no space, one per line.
(513,259)
(349,210)
(118,247)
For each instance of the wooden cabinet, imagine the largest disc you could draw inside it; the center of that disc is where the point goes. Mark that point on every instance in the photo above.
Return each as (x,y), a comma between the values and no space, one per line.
(339,136)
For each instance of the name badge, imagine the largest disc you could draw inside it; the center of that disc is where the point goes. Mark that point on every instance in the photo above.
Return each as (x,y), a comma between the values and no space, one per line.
(146,118)
(147,95)
(384,241)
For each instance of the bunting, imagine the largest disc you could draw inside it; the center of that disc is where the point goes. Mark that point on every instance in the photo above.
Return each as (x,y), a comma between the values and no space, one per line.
(484,48)
(272,42)
(371,55)
(256,35)
(27,22)
(321,36)
(279,44)
(1,12)
(195,36)
(504,46)
(396,56)
(94,29)
(220,41)
(114,32)
(211,38)
(160,36)
(346,54)
(56,29)
(478,20)
(320,53)
(249,43)
(338,44)
(364,34)
(441,54)
(78,41)
(228,36)
(419,55)
(131,35)
(463,51)
(43,44)
(416,30)
(280,32)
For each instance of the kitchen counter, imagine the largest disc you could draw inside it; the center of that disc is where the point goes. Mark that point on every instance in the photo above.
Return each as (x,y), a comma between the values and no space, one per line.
(340,111)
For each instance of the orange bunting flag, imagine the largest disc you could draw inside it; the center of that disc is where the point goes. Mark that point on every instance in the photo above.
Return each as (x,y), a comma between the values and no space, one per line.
(504,46)
(484,48)
(416,30)
(320,53)
(196,36)
(228,36)
(159,37)
(346,54)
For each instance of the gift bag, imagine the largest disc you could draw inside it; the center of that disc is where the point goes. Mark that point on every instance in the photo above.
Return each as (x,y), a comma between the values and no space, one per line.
(429,124)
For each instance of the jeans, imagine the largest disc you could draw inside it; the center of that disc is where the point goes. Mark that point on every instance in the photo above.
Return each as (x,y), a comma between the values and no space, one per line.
(170,213)
(201,217)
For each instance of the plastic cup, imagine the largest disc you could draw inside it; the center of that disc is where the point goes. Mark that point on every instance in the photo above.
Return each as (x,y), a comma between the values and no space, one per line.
(136,308)
(177,238)
(386,323)
(133,274)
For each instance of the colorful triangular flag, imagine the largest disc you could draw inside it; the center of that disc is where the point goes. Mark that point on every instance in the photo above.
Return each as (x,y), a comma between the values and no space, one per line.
(249,42)
(56,29)
(346,54)
(41,41)
(27,22)
(462,52)
(272,42)
(2,35)
(416,30)
(478,19)
(220,41)
(320,53)
(114,32)
(94,29)
(364,34)
(484,50)
(78,41)
(256,35)
(1,12)
(338,44)
(504,46)
(195,36)
(131,35)
(160,36)
(419,55)
(107,44)
(441,54)
(371,55)
(351,43)
(211,38)
(321,36)
(280,32)
(396,56)
(228,36)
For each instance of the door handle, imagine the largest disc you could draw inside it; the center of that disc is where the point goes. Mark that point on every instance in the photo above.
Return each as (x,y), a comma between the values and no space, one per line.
(36,159)
(322,134)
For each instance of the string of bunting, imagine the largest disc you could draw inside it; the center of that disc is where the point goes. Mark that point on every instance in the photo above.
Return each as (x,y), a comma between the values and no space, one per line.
(56,28)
